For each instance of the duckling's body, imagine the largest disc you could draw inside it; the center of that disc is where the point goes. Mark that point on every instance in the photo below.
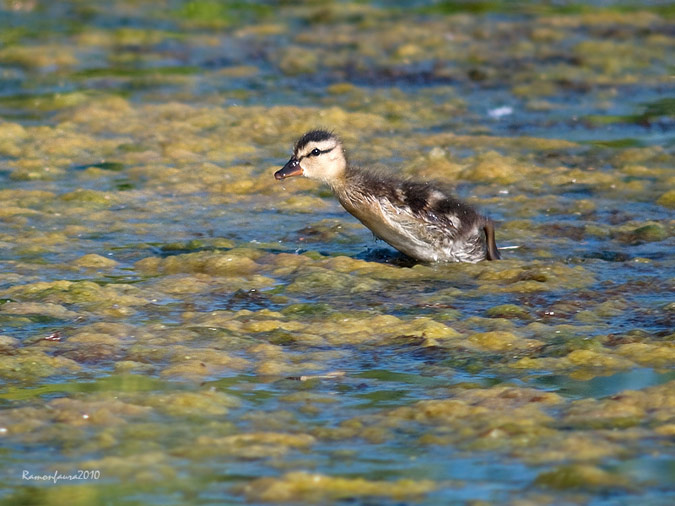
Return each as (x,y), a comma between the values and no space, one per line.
(422,220)
(419,219)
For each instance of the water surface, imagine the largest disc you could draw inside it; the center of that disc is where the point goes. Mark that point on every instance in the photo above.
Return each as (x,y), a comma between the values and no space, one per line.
(199,333)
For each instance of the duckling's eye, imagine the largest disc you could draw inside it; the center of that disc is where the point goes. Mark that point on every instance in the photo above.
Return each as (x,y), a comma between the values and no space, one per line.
(315,152)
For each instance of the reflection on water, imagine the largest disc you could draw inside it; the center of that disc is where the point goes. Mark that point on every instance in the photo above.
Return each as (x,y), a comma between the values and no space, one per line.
(605,386)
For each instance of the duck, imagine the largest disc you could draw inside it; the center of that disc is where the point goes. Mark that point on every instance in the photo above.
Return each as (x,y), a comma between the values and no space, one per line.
(421,219)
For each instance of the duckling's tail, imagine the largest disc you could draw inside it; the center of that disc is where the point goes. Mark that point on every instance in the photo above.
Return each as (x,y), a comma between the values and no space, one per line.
(492,251)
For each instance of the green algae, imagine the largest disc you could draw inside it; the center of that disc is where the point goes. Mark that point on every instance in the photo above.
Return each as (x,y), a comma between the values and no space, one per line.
(667,199)
(508,311)
(119,383)
(581,477)
(35,365)
(38,56)
(649,233)
(316,488)
(164,322)
(215,14)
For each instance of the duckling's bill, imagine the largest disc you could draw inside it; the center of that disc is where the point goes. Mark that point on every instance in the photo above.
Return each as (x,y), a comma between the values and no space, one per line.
(292,168)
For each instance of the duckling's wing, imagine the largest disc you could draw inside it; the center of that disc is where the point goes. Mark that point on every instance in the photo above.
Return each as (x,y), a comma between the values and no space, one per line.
(434,207)
(428,223)
(422,225)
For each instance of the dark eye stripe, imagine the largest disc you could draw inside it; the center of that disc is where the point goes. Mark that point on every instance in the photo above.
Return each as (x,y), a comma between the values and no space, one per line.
(320,152)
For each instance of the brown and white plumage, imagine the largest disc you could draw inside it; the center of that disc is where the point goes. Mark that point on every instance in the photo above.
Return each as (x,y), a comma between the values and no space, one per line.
(421,219)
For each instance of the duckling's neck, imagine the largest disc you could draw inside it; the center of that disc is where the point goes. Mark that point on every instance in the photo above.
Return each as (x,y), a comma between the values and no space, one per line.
(341,180)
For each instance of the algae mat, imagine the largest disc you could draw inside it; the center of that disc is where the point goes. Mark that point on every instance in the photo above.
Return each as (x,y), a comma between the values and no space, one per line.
(177,327)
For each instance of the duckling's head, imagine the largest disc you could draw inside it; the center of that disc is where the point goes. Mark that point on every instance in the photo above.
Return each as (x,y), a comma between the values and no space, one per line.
(317,155)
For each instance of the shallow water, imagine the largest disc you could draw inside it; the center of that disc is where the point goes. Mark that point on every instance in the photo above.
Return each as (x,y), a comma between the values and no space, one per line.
(197,332)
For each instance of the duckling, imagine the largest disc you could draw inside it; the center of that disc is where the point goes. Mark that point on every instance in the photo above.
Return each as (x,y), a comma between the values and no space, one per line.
(420,219)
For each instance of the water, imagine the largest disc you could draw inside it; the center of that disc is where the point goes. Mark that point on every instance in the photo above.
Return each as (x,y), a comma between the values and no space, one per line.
(173,317)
